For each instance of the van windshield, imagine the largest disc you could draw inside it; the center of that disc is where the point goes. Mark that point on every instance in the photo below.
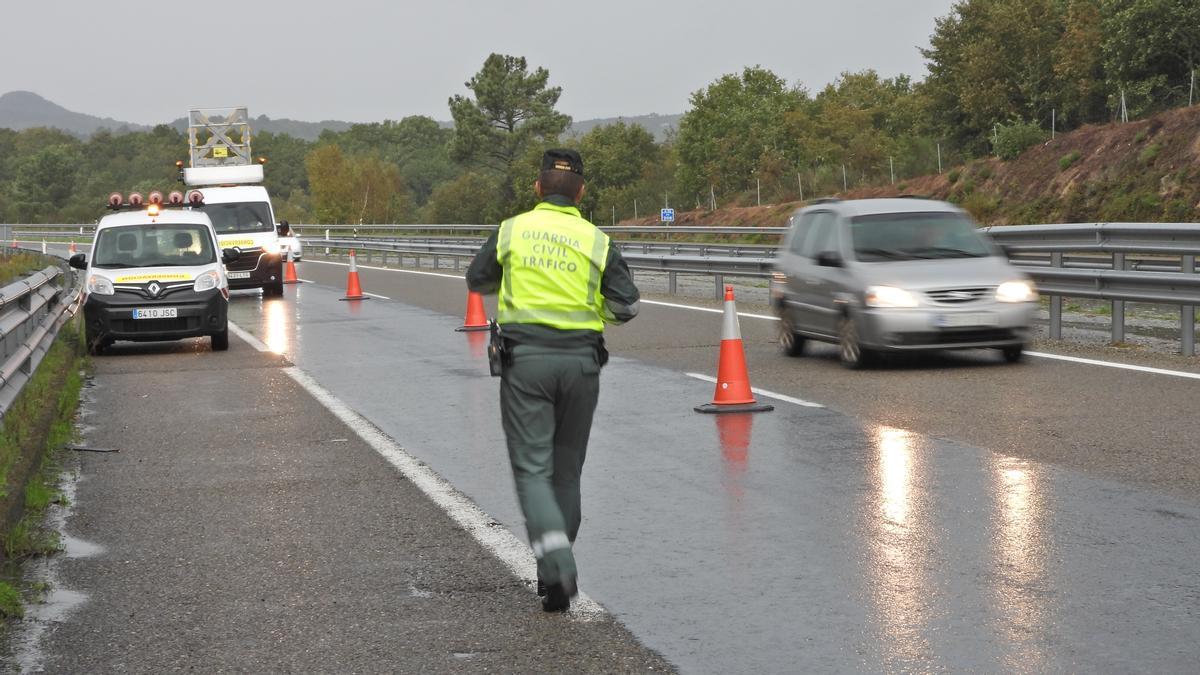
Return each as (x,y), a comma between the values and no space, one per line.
(239,217)
(158,245)
(914,236)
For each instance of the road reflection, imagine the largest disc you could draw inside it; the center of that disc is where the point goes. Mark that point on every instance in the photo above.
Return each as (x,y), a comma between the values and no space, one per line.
(900,536)
(1020,539)
(277,325)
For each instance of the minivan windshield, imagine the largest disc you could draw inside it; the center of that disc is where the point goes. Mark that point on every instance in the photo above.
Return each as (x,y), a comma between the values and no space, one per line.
(157,245)
(239,217)
(914,236)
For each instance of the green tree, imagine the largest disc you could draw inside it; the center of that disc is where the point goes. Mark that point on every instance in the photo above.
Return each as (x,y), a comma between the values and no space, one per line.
(469,199)
(733,123)
(46,180)
(615,159)
(991,61)
(1079,65)
(511,107)
(1151,48)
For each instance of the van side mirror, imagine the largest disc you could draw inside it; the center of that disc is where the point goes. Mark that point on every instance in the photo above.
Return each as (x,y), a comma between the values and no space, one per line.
(283,229)
(229,255)
(829,259)
(78,261)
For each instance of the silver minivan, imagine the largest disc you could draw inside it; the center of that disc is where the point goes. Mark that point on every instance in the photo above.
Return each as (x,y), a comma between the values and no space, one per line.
(893,275)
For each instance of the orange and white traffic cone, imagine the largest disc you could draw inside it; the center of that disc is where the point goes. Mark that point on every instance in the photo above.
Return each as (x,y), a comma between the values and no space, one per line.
(289,270)
(476,318)
(353,288)
(733,379)
(15,244)
(71,249)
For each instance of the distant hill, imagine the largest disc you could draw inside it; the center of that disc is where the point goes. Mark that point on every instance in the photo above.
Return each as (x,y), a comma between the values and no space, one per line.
(25,109)
(659,125)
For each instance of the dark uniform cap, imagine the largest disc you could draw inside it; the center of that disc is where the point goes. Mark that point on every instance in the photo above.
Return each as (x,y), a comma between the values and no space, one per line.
(562,159)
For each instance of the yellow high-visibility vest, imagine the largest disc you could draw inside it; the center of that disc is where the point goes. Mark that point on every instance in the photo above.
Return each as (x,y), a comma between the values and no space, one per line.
(553,261)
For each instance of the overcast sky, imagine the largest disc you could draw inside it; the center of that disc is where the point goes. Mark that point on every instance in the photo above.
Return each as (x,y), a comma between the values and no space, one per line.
(150,61)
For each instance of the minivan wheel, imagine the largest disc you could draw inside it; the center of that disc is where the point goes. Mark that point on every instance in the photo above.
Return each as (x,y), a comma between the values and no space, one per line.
(1013,354)
(790,343)
(851,352)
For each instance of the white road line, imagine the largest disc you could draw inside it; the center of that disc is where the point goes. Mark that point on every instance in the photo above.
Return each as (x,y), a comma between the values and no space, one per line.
(245,335)
(494,537)
(307,281)
(388,269)
(376,295)
(710,310)
(1121,366)
(749,315)
(763,392)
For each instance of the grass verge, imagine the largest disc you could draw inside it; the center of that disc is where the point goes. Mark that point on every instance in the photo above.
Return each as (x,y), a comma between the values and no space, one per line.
(38,425)
(13,266)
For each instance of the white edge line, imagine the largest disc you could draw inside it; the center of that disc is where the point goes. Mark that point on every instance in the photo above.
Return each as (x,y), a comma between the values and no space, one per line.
(763,392)
(493,536)
(376,295)
(711,310)
(1112,364)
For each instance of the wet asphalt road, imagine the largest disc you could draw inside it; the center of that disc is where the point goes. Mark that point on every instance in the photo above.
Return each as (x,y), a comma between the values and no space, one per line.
(939,514)
(242,527)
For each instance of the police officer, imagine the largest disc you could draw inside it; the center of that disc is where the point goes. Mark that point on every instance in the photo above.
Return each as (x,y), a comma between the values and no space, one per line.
(559,280)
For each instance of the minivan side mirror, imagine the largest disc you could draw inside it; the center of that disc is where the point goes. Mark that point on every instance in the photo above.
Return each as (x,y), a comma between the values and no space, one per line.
(829,259)
(78,261)
(283,229)
(229,255)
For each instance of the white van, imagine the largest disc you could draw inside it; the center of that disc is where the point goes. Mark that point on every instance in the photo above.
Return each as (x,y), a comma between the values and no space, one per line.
(244,220)
(154,273)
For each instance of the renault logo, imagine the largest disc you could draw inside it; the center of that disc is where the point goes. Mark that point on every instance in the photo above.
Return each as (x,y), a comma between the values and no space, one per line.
(153,289)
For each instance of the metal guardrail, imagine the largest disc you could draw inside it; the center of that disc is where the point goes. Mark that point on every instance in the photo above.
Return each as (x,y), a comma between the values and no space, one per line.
(32,310)
(1128,262)
(1118,262)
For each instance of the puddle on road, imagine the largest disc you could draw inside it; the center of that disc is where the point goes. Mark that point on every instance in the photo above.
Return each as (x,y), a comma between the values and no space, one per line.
(58,603)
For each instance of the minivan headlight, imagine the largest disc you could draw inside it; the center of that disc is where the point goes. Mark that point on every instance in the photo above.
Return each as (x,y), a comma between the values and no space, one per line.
(207,281)
(1016,291)
(98,285)
(889,296)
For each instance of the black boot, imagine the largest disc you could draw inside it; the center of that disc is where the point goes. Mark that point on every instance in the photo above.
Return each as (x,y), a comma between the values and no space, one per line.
(558,596)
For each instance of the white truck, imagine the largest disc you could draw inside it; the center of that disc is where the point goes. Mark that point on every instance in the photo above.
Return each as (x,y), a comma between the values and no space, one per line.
(224,171)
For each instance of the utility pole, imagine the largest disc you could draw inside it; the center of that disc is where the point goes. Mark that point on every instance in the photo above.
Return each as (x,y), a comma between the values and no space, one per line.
(939,148)
(1192,88)
(614,220)
(845,185)
(635,208)
(712,197)
(758,190)
(800,184)
(1053,113)
(892,169)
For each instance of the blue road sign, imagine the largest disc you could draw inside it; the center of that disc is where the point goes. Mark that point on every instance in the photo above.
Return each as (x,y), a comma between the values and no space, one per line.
(667,215)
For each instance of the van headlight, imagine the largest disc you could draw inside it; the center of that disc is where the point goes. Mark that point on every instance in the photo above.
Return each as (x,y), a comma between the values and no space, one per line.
(1016,291)
(98,285)
(207,281)
(889,296)
(271,247)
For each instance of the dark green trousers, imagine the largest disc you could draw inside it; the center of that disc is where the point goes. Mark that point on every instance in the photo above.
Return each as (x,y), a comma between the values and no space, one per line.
(547,398)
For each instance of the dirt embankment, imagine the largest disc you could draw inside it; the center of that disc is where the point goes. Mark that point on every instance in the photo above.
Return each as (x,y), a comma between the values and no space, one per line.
(1142,171)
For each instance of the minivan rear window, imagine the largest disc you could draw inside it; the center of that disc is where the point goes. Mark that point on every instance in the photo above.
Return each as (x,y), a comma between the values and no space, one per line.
(914,236)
